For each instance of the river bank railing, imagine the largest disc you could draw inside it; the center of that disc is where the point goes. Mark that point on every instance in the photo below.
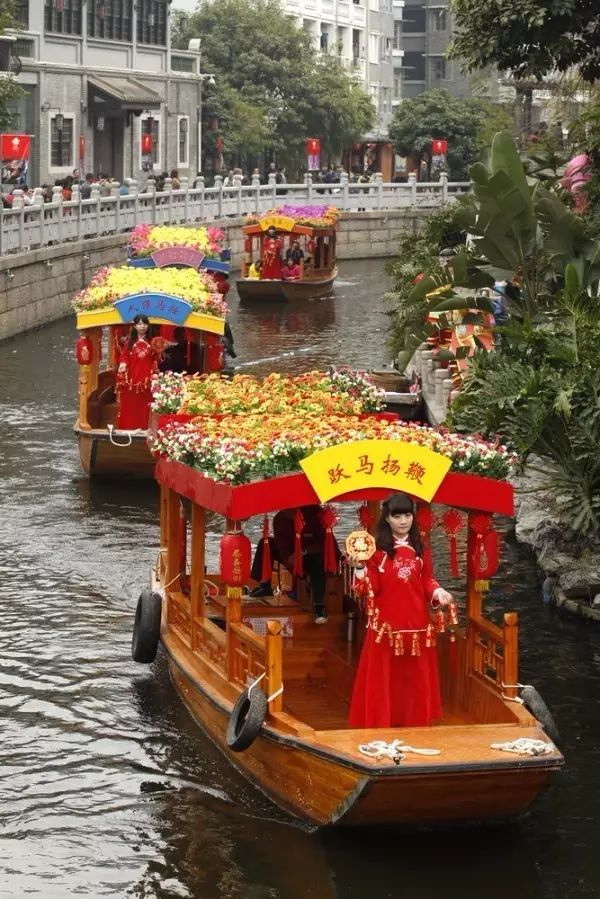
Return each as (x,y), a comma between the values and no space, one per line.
(32,223)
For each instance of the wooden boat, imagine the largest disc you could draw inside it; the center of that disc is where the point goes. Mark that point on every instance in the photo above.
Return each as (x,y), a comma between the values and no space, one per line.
(304,756)
(318,243)
(104,451)
(401,394)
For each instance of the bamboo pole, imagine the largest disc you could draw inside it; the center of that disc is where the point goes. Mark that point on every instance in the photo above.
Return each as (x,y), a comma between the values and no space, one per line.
(511,652)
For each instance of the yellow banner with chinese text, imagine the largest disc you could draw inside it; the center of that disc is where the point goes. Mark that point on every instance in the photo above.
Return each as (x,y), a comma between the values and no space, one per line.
(375,463)
(280,222)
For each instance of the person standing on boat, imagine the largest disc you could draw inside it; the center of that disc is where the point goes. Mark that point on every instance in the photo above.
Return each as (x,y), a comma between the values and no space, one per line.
(397,682)
(271,256)
(137,363)
(295,252)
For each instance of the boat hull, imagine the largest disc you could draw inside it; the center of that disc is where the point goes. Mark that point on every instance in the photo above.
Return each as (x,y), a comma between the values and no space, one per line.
(100,457)
(327,789)
(252,289)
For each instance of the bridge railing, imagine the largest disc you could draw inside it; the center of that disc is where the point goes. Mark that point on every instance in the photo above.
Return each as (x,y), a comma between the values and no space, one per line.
(40,224)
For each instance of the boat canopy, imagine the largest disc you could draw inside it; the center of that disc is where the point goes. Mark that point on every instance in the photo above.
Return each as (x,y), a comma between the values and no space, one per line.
(309,221)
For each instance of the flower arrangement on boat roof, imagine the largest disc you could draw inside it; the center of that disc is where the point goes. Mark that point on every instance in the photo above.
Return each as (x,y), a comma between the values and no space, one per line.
(110,284)
(145,239)
(338,392)
(314,216)
(240,449)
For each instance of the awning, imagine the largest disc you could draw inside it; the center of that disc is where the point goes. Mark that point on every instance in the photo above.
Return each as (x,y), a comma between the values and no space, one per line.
(128,92)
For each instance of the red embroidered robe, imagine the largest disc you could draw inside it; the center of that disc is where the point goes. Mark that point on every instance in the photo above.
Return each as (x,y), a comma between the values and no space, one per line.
(134,387)
(271,258)
(395,686)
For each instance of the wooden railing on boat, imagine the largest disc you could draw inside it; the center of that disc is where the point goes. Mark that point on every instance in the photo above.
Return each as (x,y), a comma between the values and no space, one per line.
(482,664)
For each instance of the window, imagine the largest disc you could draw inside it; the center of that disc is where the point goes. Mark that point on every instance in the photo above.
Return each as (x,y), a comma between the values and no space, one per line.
(438,68)
(356,2)
(324,41)
(413,67)
(183,64)
(22,13)
(24,47)
(152,21)
(373,48)
(439,20)
(413,20)
(397,88)
(151,125)
(356,45)
(63,16)
(386,99)
(387,48)
(397,35)
(61,142)
(183,141)
(109,19)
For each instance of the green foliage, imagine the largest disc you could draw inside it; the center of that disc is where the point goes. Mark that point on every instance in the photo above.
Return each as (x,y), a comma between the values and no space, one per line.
(272,90)
(9,88)
(433,114)
(528,37)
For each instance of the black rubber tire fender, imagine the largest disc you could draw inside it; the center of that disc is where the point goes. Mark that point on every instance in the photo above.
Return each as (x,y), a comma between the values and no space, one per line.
(146,627)
(247,718)
(534,703)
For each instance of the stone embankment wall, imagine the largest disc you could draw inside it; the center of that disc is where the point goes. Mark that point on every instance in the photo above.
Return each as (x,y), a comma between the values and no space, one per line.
(37,287)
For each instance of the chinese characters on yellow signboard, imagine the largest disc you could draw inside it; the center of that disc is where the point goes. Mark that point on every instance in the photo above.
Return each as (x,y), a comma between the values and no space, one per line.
(375,463)
(280,222)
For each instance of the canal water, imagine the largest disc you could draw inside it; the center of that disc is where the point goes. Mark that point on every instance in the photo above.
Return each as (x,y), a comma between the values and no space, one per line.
(107,788)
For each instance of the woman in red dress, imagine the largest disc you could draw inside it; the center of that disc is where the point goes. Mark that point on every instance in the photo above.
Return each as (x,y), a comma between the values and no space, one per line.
(271,256)
(397,682)
(137,363)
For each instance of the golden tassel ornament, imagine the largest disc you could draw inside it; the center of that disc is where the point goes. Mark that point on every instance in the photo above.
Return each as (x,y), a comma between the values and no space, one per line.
(416,649)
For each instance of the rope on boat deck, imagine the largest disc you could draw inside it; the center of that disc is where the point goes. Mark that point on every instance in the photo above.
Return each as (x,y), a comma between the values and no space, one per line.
(525,746)
(128,434)
(258,680)
(513,687)
(379,749)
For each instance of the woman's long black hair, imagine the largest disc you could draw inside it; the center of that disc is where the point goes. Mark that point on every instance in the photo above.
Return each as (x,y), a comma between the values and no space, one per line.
(133,336)
(398,502)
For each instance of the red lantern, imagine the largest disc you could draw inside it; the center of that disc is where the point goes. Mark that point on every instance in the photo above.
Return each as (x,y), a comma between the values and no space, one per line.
(84,350)
(146,144)
(439,147)
(484,557)
(313,147)
(235,554)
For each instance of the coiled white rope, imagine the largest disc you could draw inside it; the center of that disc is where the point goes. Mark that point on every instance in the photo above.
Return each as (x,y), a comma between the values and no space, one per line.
(128,434)
(379,749)
(525,746)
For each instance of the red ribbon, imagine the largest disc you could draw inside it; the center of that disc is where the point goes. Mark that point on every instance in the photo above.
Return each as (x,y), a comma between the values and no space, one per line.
(298,528)
(267,566)
(328,519)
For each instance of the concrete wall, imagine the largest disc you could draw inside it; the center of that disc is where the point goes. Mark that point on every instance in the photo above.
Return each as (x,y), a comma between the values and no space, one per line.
(37,287)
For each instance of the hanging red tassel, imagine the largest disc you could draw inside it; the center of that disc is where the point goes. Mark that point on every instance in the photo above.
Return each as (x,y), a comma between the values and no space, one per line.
(440,621)
(453,522)
(415,648)
(298,528)
(481,524)
(453,652)
(365,517)
(267,566)
(328,519)
(425,522)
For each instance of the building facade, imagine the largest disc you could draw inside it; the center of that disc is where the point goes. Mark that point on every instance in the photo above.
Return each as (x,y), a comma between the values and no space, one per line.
(97,75)
(360,33)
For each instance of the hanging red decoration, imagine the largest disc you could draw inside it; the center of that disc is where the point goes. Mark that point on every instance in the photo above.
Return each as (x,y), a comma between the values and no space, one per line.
(424,522)
(453,522)
(365,517)
(84,351)
(235,558)
(248,245)
(146,144)
(329,517)
(298,528)
(481,525)
(267,565)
